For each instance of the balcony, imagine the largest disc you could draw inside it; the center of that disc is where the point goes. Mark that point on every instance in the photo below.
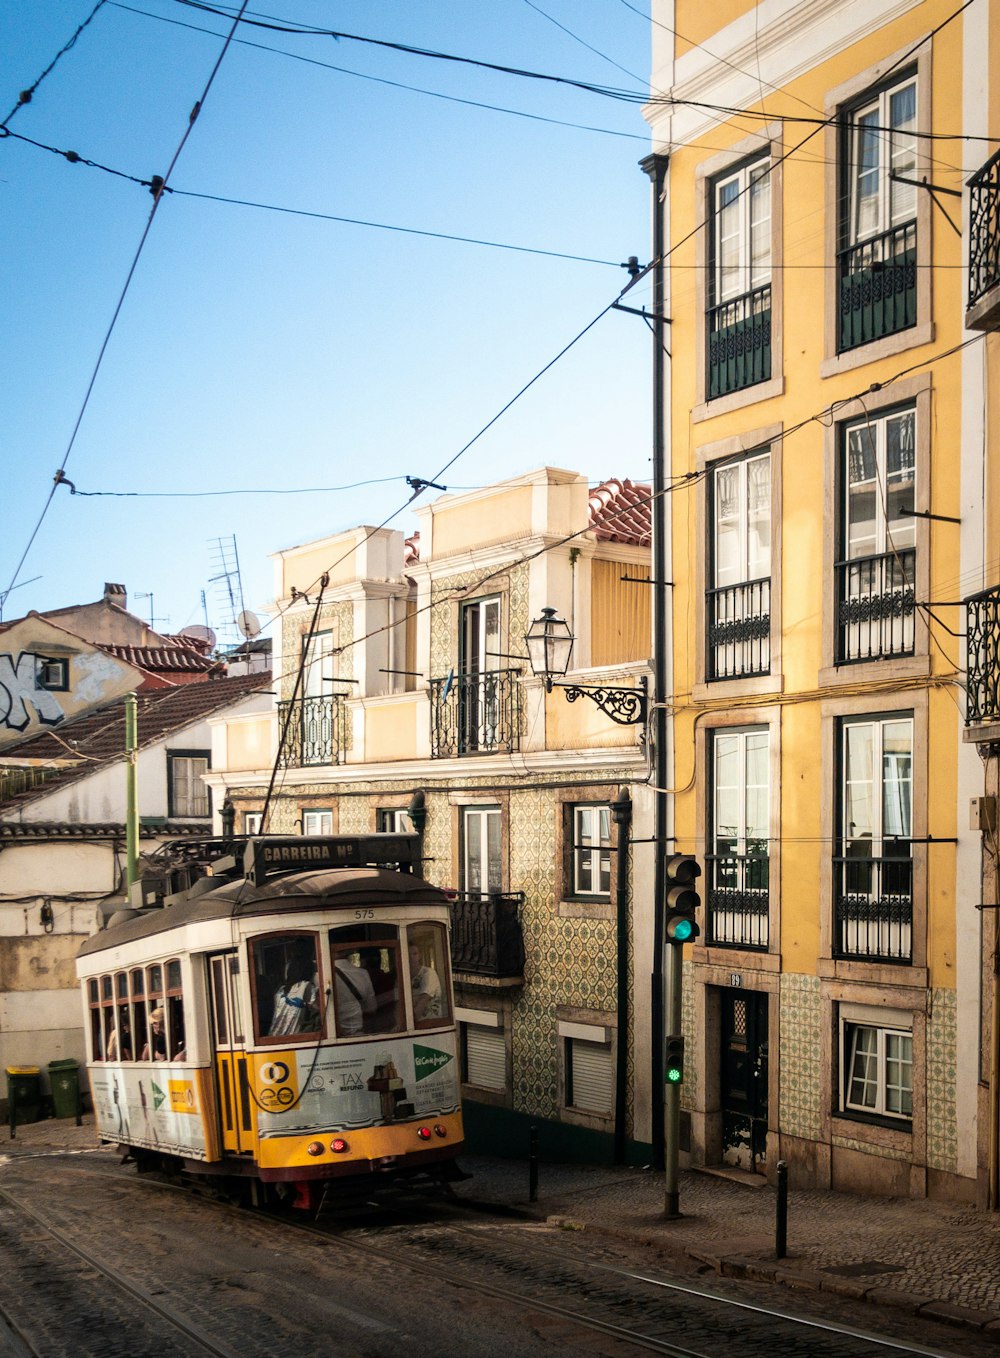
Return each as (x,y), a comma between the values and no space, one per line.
(875,606)
(475,714)
(982,613)
(984,248)
(877,287)
(739,343)
(315,731)
(738,900)
(486,938)
(739,630)
(873,907)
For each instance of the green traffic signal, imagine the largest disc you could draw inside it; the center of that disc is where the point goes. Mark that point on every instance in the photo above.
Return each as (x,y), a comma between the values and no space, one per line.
(673,1066)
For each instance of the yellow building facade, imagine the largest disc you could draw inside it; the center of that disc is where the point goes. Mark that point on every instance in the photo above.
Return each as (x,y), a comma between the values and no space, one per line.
(827,400)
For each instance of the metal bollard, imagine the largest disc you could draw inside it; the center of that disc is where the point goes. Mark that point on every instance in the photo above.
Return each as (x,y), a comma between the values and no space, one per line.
(533,1164)
(781,1213)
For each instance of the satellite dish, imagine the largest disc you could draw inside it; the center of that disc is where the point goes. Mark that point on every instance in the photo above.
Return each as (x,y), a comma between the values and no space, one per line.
(204,636)
(249,624)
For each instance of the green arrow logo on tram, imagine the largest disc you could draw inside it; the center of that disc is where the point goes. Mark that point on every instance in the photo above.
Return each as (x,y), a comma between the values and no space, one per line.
(428,1061)
(159,1097)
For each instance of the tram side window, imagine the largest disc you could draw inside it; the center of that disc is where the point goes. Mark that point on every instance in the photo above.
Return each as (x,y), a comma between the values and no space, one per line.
(108,1016)
(176,1036)
(286,985)
(155,1048)
(120,1040)
(96,1031)
(367,993)
(137,1001)
(427,954)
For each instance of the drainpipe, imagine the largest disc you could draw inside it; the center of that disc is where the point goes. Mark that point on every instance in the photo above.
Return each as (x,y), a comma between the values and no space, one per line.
(621,811)
(131,795)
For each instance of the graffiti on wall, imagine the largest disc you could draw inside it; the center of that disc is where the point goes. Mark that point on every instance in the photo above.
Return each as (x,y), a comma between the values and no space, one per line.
(20,693)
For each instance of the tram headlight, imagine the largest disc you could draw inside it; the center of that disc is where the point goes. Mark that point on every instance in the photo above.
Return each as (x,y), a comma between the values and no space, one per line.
(424,1133)
(339,1146)
(314,1148)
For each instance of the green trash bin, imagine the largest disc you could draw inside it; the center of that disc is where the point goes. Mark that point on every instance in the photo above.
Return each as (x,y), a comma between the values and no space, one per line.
(64,1080)
(24,1094)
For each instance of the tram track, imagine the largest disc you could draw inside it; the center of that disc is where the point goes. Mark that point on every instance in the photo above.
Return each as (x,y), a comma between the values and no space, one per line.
(638,1308)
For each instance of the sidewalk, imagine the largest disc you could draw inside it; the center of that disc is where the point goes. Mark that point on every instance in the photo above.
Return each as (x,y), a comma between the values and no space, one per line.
(935,1259)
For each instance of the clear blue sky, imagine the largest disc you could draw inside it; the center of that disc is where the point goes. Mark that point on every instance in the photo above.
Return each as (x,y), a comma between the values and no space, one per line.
(263,350)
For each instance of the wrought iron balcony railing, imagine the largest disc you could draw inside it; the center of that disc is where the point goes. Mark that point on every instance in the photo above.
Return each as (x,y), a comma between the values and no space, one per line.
(982,625)
(875,606)
(486,937)
(739,630)
(475,714)
(984,230)
(877,286)
(739,342)
(315,731)
(873,907)
(738,900)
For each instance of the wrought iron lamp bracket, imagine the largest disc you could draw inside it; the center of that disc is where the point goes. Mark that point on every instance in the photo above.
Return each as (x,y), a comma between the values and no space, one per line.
(625,706)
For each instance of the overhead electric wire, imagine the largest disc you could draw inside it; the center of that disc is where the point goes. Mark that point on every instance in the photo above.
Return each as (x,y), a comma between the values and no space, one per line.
(583,43)
(157,198)
(27,94)
(382,80)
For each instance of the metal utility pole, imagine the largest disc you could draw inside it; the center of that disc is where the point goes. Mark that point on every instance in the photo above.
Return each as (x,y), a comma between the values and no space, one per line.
(131,791)
(664,1143)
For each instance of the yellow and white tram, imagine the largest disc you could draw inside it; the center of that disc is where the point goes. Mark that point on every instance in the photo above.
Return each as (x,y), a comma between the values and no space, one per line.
(282,1014)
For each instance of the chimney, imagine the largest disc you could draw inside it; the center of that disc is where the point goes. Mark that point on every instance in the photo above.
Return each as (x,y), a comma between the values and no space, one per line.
(116,594)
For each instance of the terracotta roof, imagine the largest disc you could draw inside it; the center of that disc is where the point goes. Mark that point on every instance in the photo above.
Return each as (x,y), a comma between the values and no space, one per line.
(64,829)
(161,658)
(98,738)
(620,512)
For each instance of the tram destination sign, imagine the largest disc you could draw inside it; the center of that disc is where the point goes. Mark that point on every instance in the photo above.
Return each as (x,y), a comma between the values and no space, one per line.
(268,855)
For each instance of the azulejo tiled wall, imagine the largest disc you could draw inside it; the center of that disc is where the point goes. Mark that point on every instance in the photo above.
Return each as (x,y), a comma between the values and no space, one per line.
(801,1057)
(689,1089)
(942,1075)
(513,580)
(338,620)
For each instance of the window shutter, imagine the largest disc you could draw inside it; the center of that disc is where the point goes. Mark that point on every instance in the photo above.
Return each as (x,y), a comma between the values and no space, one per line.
(485,1056)
(592,1069)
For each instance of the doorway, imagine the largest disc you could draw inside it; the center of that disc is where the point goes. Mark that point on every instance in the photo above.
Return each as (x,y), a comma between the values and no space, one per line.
(743,1079)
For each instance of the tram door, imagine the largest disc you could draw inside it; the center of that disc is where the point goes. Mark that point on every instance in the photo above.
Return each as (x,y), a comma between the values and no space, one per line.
(743,1078)
(235,1109)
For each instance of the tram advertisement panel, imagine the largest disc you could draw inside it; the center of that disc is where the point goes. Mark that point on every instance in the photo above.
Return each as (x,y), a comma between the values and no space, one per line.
(368,1085)
(156,1107)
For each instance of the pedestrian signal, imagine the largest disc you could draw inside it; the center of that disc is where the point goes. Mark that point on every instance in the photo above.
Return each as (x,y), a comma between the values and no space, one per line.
(673,1066)
(682,901)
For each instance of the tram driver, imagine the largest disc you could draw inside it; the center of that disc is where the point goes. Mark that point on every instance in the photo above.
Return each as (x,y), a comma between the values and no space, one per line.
(425,985)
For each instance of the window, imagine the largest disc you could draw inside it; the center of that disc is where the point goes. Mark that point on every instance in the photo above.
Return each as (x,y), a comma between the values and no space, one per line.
(876,1062)
(481,866)
(393,820)
(484,1049)
(739,314)
(877,260)
(367,989)
(286,982)
(875,576)
(253,822)
(187,794)
(738,626)
(873,873)
(588,1069)
(480,698)
(591,851)
(427,957)
(318,735)
(52,675)
(317,822)
(738,860)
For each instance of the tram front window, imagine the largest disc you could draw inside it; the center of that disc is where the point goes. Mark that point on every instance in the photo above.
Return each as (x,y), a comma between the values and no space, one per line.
(367,993)
(428,960)
(286,986)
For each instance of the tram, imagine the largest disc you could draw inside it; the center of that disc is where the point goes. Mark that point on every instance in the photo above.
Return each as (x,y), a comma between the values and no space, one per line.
(278,1011)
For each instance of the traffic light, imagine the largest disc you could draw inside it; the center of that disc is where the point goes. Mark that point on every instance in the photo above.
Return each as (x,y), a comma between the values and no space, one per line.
(682,900)
(673,1065)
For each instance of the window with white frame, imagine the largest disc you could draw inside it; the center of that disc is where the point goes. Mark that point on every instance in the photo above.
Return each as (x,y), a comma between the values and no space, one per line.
(252,822)
(188,795)
(51,675)
(591,850)
(588,1068)
(481,865)
(873,873)
(877,261)
(876,571)
(739,317)
(318,670)
(739,598)
(393,820)
(738,861)
(317,822)
(484,1049)
(876,1063)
